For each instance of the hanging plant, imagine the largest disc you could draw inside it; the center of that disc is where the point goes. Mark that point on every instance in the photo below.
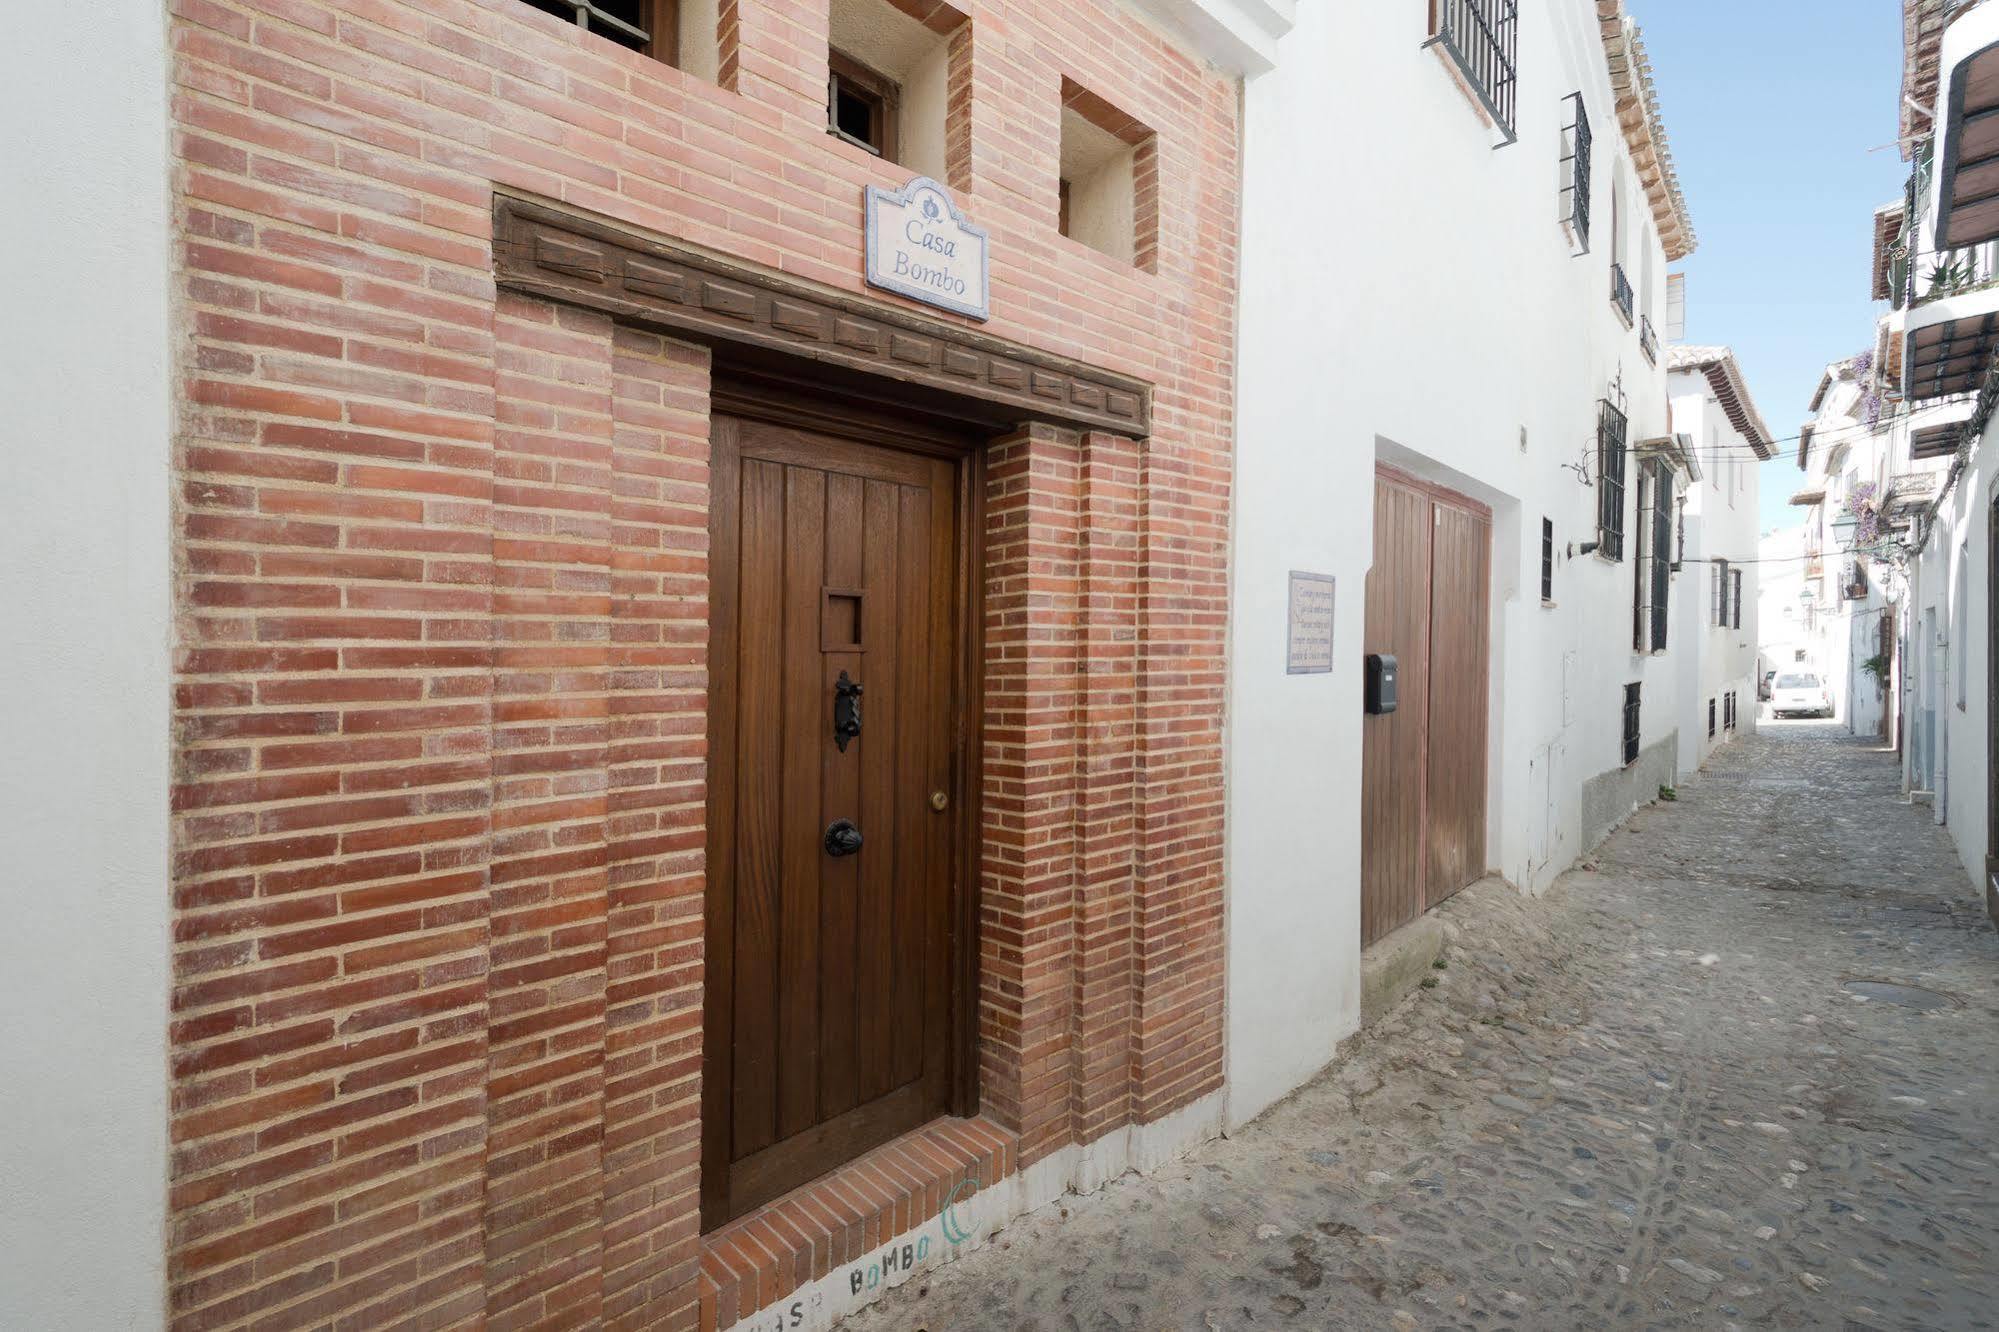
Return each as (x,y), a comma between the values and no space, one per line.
(1864,503)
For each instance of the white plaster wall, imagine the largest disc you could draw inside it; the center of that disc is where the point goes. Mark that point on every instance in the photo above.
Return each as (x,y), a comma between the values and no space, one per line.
(1408,294)
(1962,537)
(84,654)
(1721,524)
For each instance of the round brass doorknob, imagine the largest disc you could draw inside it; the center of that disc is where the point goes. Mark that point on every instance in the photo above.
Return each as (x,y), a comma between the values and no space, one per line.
(938,800)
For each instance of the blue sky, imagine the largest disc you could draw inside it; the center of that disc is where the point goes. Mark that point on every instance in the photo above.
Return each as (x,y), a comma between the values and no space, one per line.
(1772,107)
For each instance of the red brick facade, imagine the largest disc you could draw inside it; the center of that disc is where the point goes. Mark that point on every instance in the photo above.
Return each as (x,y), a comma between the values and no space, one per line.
(442,618)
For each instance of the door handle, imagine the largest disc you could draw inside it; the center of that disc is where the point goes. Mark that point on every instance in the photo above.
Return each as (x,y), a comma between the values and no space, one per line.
(842,838)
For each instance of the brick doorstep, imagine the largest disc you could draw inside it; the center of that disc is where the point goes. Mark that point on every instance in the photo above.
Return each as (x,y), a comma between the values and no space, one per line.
(759,1259)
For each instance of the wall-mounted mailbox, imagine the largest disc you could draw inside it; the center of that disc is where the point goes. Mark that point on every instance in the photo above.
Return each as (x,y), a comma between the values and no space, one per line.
(1380,683)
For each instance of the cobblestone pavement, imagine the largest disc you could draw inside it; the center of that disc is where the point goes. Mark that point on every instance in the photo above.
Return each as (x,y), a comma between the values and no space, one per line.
(1649,1099)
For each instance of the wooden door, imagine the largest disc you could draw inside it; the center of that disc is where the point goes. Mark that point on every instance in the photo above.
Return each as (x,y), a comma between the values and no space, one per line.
(1394,745)
(829,976)
(1455,761)
(1423,766)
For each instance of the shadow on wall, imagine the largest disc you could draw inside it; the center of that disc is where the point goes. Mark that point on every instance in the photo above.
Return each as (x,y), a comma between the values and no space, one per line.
(1610,797)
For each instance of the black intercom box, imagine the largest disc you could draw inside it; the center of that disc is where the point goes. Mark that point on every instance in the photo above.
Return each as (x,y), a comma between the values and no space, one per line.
(1380,682)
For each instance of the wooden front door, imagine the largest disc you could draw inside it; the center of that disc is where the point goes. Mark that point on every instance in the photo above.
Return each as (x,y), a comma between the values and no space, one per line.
(1423,766)
(832,813)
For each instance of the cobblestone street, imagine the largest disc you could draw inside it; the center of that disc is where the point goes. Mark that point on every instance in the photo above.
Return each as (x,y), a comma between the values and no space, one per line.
(1665,1095)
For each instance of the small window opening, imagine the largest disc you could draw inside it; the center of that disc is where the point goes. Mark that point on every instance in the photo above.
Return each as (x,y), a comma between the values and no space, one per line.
(861,104)
(889,72)
(1547,562)
(651,27)
(1106,192)
(1631,723)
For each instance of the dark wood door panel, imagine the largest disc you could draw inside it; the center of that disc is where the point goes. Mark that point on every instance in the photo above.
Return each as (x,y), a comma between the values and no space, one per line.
(1456,773)
(1398,622)
(831,1013)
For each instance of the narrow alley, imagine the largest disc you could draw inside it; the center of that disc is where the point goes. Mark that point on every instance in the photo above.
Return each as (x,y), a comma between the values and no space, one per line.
(1739,1069)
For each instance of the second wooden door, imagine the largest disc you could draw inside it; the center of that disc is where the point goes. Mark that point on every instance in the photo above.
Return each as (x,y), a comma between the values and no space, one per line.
(1423,766)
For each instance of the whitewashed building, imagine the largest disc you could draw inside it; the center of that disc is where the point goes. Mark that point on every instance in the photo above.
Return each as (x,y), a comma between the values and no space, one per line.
(1847,596)
(1716,596)
(1942,272)
(1478,350)
(1790,633)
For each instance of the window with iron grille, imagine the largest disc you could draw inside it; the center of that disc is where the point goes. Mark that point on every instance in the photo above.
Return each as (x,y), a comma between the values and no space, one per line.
(1735,598)
(1719,587)
(1621,295)
(1610,451)
(1728,711)
(1631,723)
(1652,570)
(1547,562)
(650,27)
(1710,719)
(1641,582)
(1482,39)
(1576,146)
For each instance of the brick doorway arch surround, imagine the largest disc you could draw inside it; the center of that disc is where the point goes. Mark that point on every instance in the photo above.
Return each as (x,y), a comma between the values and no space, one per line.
(1097,952)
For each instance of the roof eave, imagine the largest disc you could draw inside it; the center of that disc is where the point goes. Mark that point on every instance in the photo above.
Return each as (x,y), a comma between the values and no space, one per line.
(1644,129)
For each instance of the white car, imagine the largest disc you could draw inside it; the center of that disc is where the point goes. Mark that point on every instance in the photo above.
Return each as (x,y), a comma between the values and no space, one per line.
(1799,693)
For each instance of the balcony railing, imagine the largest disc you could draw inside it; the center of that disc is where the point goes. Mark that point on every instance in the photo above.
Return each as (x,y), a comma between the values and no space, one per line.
(1620,293)
(1482,37)
(1920,273)
(1932,276)
(1648,341)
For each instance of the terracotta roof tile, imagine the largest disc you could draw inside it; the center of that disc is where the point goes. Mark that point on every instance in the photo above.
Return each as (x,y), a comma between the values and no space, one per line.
(1724,376)
(1644,130)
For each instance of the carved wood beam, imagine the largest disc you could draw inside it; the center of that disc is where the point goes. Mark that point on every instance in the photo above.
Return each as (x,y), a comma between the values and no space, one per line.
(562,255)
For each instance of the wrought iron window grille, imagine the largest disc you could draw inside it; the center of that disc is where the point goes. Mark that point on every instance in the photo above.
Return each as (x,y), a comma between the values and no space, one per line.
(1576,148)
(1621,297)
(1610,466)
(1648,341)
(1631,723)
(1482,38)
(1652,571)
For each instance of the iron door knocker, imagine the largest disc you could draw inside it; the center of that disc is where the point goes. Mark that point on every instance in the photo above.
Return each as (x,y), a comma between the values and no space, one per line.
(846,711)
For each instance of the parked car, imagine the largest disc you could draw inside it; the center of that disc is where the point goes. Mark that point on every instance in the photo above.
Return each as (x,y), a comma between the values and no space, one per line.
(1798,694)
(1763,686)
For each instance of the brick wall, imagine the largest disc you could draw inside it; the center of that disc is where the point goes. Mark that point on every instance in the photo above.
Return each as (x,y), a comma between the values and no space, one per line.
(441,614)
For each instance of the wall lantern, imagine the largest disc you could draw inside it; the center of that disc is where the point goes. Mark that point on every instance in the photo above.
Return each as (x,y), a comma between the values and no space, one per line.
(1843,529)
